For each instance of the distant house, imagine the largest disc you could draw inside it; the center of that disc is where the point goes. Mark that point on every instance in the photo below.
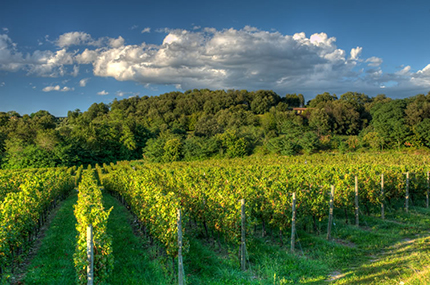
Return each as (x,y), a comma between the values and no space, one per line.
(299,111)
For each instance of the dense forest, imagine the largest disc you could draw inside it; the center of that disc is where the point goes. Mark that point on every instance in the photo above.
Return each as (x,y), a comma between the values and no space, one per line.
(200,124)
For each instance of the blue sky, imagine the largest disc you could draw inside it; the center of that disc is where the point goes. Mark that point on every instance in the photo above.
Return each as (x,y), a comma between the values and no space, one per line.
(63,56)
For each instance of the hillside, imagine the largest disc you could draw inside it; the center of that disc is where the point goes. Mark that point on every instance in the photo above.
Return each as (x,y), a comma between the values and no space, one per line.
(200,124)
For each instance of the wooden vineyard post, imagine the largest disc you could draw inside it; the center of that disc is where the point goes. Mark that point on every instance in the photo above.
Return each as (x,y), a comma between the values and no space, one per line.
(356,202)
(330,216)
(382,197)
(243,244)
(293,224)
(428,188)
(181,280)
(90,255)
(407,193)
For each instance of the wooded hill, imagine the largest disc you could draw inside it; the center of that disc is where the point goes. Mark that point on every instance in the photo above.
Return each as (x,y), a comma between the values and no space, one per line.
(199,124)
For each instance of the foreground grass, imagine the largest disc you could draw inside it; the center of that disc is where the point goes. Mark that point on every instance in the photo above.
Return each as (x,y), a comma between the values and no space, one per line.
(379,251)
(403,254)
(53,263)
(268,263)
(406,261)
(132,258)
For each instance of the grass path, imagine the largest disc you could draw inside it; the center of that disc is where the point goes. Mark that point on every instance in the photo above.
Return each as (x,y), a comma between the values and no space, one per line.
(53,263)
(403,254)
(132,264)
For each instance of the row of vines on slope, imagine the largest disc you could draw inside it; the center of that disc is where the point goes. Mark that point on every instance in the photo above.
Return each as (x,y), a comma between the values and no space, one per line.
(209,195)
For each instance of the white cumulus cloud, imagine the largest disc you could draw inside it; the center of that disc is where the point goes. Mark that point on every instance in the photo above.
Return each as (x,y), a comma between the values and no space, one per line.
(73,38)
(355,53)
(10,58)
(422,77)
(404,71)
(83,82)
(146,30)
(48,63)
(87,56)
(66,89)
(374,61)
(102,93)
(51,88)
(80,38)
(116,43)
(57,88)
(247,58)
(75,71)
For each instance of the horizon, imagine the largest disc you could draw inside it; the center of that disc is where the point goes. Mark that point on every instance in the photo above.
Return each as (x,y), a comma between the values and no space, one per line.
(183,92)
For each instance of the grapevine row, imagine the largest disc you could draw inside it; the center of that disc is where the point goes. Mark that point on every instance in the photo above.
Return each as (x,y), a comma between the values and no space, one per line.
(24,210)
(89,210)
(209,195)
(154,205)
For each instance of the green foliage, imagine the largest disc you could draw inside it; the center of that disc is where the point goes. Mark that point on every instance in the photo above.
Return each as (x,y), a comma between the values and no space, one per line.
(283,145)
(233,144)
(154,149)
(78,176)
(128,142)
(148,196)
(22,209)
(388,120)
(294,100)
(128,128)
(422,131)
(322,99)
(263,100)
(196,148)
(172,150)
(320,121)
(309,142)
(18,155)
(208,193)
(373,140)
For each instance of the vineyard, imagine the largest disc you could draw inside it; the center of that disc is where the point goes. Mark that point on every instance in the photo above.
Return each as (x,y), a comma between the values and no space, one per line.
(247,214)
(27,197)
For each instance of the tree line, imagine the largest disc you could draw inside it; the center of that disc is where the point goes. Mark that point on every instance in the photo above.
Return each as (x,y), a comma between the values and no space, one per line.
(200,124)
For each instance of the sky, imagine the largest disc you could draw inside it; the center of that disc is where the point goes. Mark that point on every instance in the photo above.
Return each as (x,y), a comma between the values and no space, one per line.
(60,56)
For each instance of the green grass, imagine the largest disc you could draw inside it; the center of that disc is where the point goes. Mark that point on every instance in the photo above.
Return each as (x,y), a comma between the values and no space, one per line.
(398,252)
(379,251)
(53,263)
(133,264)
(406,261)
